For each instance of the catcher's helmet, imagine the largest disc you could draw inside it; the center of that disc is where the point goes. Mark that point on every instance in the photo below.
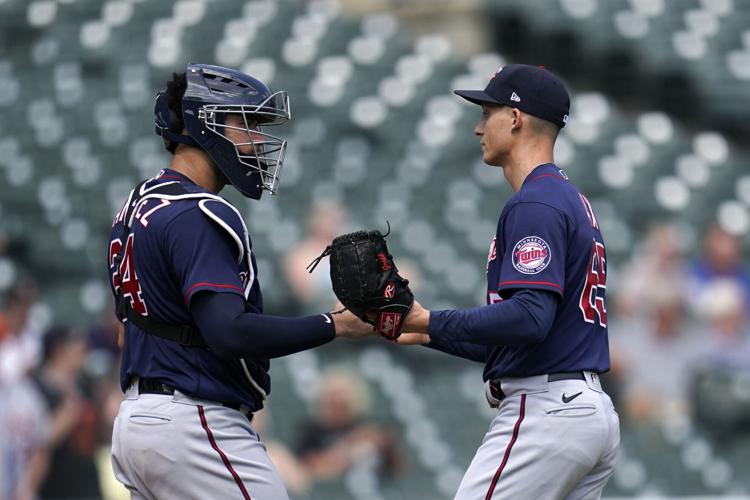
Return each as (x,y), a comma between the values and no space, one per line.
(212,93)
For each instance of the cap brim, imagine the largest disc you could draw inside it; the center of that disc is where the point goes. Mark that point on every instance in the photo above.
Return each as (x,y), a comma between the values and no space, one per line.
(476,96)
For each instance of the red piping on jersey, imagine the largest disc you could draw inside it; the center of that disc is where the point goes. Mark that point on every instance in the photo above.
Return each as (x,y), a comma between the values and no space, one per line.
(224,458)
(215,285)
(508,448)
(548,175)
(170,177)
(531,283)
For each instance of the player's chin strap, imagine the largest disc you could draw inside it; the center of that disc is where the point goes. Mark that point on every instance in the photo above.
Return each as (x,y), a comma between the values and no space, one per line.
(169,136)
(186,335)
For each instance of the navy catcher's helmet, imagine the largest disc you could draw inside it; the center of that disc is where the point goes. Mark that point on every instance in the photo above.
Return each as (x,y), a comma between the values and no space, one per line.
(213,93)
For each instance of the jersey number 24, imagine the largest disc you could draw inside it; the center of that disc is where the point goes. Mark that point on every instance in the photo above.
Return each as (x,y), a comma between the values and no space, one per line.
(592,298)
(128,280)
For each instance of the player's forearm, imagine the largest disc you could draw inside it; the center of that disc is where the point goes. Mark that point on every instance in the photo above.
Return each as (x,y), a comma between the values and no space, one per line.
(232,332)
(524,318)
(466,350)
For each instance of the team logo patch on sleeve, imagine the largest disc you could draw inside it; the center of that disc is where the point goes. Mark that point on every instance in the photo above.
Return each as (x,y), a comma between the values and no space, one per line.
(531,255)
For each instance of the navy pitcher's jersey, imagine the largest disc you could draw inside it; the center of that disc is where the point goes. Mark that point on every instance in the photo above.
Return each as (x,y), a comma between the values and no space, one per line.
(178,246)
(548,238)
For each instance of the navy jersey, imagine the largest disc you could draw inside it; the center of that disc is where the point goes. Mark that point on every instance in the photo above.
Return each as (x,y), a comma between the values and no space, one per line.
(548,238)
(177,247)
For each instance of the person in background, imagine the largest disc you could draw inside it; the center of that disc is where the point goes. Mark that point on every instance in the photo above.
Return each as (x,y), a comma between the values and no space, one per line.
(727,342)
(660,254)
(20,348)
(24,437)
(719,382)
(24,422)
(657,350)
(721,259)
(312,291)
(74,417)
(340,436)
(293,472)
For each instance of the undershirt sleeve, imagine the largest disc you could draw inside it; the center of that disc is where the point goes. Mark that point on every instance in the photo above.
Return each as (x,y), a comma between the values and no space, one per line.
(466,350)
(232,332)
(526,317)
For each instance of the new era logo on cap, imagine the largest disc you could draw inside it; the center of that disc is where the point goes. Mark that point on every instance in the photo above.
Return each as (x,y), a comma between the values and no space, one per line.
(514,97)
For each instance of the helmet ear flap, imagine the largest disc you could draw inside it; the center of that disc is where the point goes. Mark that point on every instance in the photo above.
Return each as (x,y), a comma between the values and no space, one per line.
(166,121)
(168,125)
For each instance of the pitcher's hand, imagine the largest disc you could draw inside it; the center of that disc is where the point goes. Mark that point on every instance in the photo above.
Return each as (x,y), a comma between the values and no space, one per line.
(413,339)
(349,326)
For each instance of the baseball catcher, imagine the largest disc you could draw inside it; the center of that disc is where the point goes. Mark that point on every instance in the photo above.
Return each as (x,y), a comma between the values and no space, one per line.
(366,281)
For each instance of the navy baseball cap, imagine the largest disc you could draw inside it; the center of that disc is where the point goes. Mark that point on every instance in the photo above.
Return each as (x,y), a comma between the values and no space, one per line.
(532,89)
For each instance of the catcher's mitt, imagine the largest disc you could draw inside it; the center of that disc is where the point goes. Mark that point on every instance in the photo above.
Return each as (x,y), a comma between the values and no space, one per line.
(366,281)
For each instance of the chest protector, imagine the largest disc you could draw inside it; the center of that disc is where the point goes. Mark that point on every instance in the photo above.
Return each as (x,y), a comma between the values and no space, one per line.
(187,335)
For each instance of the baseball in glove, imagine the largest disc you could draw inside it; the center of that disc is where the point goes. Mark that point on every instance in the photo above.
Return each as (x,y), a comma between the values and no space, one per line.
(366,281)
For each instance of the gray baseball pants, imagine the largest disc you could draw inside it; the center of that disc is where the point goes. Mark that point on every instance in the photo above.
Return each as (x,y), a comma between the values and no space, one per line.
(166,447)
(541,447)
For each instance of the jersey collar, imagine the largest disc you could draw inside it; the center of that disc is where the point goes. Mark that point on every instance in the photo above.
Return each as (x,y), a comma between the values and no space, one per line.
(544,171)
(173,175)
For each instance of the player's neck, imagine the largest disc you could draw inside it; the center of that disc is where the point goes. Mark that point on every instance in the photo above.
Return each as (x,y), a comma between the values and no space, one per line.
(196,165)
(523,160)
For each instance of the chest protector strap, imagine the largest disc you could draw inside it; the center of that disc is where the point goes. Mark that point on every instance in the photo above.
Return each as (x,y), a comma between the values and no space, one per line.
(186,335)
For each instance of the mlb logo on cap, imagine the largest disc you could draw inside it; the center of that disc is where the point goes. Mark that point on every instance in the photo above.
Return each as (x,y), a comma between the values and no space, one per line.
(534,90)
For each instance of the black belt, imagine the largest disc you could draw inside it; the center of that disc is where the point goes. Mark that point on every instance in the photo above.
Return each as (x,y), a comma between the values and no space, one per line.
(554,377)
(154,386)
(498,393)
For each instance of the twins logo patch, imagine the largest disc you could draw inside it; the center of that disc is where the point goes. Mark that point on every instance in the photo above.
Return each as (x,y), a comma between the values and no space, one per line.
(531,255)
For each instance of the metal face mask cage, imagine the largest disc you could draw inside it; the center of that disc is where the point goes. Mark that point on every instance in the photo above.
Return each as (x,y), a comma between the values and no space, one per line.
(266,151)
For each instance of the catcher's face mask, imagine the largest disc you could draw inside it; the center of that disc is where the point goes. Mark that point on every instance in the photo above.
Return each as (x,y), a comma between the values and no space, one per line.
(259,152)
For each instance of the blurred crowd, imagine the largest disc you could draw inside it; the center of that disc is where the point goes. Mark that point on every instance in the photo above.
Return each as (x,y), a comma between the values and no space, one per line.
(680,324)
(58,398)
(679,344)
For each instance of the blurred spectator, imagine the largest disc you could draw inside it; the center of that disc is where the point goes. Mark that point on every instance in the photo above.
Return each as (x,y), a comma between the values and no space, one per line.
(722,258)
(659,261)
(74,418)
(727,345)
(24,433)
(312,291)
(721,383)
(292,471)
(20,346)
(656,352)
(340,437)
(108,396)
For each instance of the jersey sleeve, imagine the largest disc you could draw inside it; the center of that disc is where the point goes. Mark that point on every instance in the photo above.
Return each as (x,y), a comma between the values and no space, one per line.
(203,256)
(534,236)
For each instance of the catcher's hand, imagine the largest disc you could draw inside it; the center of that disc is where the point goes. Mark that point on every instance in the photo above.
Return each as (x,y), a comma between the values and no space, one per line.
(366,281)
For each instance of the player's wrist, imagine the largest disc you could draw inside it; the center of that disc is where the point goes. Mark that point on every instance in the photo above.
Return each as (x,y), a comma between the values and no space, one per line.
(417,321)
